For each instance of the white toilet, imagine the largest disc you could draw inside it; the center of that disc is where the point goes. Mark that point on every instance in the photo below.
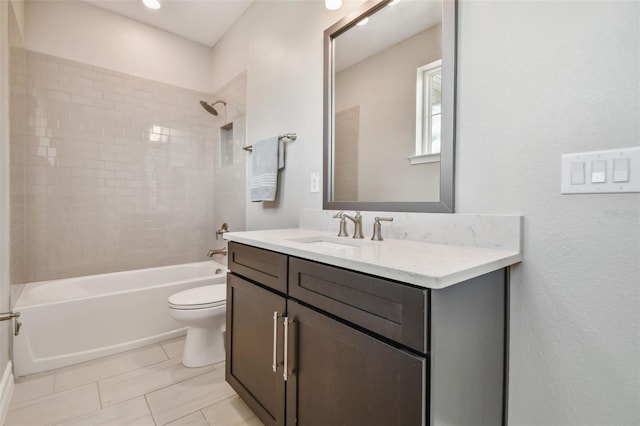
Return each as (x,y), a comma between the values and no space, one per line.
(202,310)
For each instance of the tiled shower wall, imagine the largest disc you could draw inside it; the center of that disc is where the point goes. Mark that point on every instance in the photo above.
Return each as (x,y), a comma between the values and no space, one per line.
(229,173)
(18,130)
(118,172)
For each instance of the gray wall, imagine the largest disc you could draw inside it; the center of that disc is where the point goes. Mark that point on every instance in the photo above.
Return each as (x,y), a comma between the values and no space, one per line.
(535,79)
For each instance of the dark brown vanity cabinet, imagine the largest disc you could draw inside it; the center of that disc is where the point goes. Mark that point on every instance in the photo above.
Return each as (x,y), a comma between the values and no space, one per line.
(341,376)
(251,345)
(310,344)
(255,340)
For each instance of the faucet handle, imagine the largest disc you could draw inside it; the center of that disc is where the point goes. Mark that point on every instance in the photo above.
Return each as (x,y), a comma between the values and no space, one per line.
(343,224)
(224,228)
(377,228)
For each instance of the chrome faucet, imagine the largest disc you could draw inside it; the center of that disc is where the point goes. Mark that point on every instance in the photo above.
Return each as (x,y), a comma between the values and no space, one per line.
(357,224)
(222,251)
(343,224)
(377,228)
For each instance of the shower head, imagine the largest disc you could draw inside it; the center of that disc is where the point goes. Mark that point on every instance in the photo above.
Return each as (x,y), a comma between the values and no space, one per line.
(209,107)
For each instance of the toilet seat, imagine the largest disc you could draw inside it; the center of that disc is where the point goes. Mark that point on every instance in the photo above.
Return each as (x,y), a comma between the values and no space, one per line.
(208,296)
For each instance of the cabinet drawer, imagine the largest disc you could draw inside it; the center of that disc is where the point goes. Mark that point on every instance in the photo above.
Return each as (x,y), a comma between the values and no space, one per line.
(263,266)
(393,310)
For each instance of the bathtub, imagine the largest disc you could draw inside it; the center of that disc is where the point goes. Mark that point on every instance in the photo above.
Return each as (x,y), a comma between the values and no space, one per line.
(78,319)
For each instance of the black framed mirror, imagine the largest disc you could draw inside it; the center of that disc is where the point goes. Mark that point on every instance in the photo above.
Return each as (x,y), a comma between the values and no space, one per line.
(389,107)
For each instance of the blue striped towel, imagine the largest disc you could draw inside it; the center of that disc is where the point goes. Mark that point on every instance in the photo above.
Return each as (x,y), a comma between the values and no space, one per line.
(266,159)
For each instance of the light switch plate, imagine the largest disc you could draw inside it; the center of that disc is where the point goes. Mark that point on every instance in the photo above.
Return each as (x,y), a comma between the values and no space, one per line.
(315,182)
(609,171)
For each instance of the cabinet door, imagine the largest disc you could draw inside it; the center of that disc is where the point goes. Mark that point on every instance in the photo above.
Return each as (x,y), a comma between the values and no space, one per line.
(341,376)
(250,348)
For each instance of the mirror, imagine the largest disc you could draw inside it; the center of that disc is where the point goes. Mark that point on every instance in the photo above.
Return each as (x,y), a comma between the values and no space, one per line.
(389,106)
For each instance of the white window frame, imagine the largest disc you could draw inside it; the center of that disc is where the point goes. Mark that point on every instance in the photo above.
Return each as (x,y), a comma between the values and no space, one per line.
(424,152)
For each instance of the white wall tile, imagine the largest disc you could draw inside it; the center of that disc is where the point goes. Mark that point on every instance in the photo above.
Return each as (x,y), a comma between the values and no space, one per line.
(94,137)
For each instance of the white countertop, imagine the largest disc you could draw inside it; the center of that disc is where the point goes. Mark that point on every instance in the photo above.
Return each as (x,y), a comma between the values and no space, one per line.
(427,265)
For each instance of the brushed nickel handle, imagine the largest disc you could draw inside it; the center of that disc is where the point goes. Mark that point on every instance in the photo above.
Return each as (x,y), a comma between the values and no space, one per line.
(377,228)
(286,344)
(5,316)
(274,366)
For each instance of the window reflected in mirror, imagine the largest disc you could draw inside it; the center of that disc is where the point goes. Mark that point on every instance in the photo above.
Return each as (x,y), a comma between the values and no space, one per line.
(428,113)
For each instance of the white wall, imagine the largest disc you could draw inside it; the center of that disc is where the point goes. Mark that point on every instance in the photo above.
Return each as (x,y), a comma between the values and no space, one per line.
(84,33)
(535,80)
(279,44)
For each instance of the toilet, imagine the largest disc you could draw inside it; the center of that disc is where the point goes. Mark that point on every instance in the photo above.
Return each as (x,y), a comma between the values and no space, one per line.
(202,311)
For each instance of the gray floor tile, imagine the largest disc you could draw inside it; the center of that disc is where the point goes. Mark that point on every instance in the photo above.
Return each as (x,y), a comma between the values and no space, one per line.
(134,412)
(230,412)
(55,408)
(193,419)
(183,398)
(144,387)
(144,380)
(33,387)
(102,368)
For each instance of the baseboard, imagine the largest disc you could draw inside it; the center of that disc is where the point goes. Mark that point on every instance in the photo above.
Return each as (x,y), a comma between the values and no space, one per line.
(6,391)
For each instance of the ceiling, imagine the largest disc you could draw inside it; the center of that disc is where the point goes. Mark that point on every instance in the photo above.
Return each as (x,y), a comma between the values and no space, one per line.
(385,28)
(203,21)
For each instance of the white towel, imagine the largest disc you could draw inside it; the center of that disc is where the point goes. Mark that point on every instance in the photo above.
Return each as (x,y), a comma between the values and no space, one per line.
(266,159)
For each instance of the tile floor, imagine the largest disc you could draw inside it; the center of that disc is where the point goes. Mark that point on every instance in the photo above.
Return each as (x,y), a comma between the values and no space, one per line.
(147,386)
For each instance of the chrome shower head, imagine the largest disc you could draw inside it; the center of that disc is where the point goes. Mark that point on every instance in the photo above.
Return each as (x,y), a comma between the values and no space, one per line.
(209,107)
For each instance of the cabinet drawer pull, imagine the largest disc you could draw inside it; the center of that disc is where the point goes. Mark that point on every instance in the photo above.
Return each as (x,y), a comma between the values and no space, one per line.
(286,344)
(275,341)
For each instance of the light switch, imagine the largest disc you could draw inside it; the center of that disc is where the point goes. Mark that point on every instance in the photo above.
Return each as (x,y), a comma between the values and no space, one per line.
(577,173)
(315,182)
(599,171)
(621,170)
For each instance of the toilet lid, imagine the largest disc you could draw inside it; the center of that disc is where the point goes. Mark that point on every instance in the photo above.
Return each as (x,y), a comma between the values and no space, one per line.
(200,297)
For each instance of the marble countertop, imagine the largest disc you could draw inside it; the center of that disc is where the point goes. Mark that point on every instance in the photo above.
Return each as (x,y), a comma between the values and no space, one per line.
(427,265)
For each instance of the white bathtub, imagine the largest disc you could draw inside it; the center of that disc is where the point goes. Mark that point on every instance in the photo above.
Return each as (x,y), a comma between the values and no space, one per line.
(78,319)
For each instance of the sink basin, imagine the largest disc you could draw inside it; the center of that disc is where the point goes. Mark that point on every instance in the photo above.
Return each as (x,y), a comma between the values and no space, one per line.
(332,243)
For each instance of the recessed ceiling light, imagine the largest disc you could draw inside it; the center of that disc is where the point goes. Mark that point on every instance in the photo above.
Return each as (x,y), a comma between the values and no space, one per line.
(363,22)
(333,4)
(152,4)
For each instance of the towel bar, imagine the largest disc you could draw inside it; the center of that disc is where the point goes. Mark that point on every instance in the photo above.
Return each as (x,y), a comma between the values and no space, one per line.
(286,136)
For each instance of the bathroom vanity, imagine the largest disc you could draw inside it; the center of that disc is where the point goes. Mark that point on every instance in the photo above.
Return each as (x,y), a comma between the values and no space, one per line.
(335,331)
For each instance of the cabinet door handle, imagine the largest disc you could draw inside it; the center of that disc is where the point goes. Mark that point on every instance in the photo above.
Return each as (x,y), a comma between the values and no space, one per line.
(274,366)
(286,344)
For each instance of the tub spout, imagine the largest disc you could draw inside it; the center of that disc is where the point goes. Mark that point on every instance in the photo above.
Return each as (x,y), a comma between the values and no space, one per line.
(222,251)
